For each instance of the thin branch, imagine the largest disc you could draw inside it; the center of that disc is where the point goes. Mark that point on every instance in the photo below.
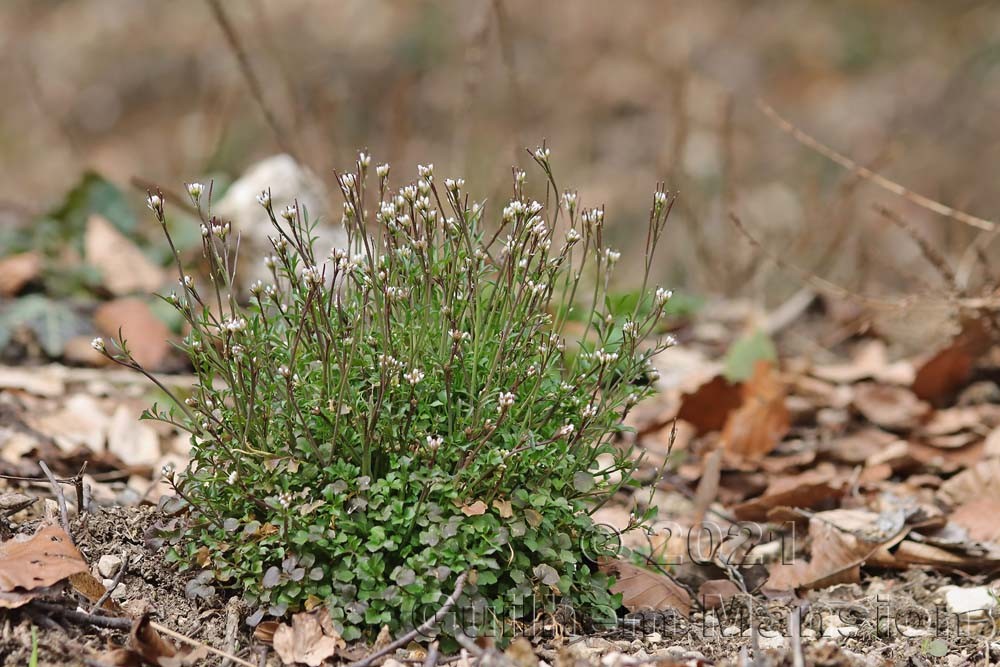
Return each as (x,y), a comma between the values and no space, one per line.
(60,496)
(930,253)
(114,584)
(879,180)
(194,642)
(236,45)
(424,628)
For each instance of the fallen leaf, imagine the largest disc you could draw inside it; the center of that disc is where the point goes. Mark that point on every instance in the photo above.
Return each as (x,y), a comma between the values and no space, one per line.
(52,323)
(947,371)
(305,640)
(644,589)
(708,406)
(981,481)
(79,422)
(147,336)
(504,508)
(837,553)
(44,381)
(91,588)
(18,270)
(807,490)
(45,559)
(858,446)
(123,267)
(477,508)
(870,362)
(264,632)
(155,650)
(967,418)
(716,592)
(979,518)
(132,441)
(893,408)
(759,424)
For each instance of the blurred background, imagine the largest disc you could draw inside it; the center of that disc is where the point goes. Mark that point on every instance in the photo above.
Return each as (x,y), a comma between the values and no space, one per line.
(139,92)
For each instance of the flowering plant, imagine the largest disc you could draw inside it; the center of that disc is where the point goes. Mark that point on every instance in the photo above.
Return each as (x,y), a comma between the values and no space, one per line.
(375,422)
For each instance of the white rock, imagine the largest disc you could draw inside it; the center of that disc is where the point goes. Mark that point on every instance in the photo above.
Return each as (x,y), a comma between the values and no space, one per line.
(731,631)
(768,640)
(108,565)
(840,632)
(974,601)
(120,592)
(288,182)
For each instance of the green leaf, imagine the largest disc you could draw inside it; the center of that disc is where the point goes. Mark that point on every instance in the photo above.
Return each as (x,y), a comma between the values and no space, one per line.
(53,323)
(937,648)
(745,353)
(94,194)
(583,481)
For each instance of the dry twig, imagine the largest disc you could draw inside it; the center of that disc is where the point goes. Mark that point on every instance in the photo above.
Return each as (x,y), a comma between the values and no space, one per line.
(60,497)
(425,627)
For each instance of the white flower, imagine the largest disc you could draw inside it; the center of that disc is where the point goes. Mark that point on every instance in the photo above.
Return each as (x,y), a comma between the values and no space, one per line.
(233,476)
(423,186)
(590,411)
(289,212)
(670,340)
(425,171)
(264,198)
(569,200)
(662,296)
(612,256)
(434,441)
(408,192)
(364,159)
(382,170)
(414,376)
(187,281)
(283,371)
(572,236)
(348,180)
(97,344)
(167,469)
(605,357)
(630,328)
(542,154)
(519,176)
(505,400)
(195,190)
(659,199)
(565,431)
(155,204)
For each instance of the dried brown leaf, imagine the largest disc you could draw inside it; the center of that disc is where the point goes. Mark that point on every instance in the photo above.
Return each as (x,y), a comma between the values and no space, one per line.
(979,518)
(949,369)
(707,407)
(805,490)
(870,362)
(477,508)
(838,549)
(715,592)
(758,425)
(981,481)
(893,408)
(16,271)
(644,589)
(147,336)
(46,558)
(124,269)
(305,640)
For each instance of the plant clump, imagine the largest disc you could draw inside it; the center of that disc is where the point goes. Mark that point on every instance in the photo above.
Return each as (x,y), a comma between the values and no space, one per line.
(440,397)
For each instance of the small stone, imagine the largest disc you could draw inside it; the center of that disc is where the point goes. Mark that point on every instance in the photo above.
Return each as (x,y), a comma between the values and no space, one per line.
(108,565)
(107,583)
(731,631)
(711,621)
(120,592)
(767,640)
(840,632)
(974,601)
(808,634)
(654,638)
